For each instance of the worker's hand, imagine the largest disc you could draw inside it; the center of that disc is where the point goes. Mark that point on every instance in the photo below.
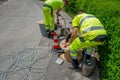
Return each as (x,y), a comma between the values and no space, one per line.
(67,44)
(57,12)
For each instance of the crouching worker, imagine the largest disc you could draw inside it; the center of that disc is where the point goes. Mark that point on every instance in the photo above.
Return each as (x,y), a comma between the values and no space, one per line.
(88,32)
(48,9)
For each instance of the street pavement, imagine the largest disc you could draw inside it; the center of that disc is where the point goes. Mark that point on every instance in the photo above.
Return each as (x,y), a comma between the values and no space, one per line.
(24,53)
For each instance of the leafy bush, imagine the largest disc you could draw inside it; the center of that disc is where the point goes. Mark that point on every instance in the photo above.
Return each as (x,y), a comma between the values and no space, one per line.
(108,11)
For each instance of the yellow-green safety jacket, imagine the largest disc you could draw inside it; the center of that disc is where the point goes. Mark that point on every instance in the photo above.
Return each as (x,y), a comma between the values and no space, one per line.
(89,28)
(55,4)
(48,10)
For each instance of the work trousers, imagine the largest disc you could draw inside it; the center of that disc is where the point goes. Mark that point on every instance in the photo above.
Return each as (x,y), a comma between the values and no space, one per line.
(77,45)
(49,18)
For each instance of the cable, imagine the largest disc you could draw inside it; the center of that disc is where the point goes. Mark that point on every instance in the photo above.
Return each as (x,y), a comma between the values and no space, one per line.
(23,66)
(63,20)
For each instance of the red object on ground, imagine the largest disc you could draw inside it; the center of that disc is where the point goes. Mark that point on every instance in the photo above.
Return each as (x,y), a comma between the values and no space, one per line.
(65,46)
(55,42)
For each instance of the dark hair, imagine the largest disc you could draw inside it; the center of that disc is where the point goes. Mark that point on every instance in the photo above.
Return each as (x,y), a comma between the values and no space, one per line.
(66,1)
(80,11)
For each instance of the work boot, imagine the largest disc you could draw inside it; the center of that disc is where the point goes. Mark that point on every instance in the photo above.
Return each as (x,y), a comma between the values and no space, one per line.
(48,33)
(75,63)
(51,34)
(87,57)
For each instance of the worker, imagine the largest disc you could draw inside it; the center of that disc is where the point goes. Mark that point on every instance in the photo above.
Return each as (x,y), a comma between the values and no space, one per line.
(48,9)
(87,33)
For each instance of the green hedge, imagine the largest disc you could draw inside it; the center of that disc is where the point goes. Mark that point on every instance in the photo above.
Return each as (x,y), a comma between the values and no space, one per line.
(108,11)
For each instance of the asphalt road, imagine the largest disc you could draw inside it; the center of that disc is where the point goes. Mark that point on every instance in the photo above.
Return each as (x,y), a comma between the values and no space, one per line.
(24,53)
(23,56)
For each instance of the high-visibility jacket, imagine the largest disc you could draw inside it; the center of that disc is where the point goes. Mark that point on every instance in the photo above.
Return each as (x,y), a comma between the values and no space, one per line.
(48,10)
(89,26)
(55,4)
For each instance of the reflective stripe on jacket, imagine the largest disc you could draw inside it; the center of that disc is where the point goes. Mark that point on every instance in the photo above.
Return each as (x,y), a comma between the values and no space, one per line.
(89,26)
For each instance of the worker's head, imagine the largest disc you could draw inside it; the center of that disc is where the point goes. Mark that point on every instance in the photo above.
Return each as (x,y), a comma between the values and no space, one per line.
(100,38)
(80,12)
(65,2)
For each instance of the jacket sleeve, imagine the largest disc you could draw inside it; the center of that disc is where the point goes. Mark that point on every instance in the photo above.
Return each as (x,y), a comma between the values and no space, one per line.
(75,22)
